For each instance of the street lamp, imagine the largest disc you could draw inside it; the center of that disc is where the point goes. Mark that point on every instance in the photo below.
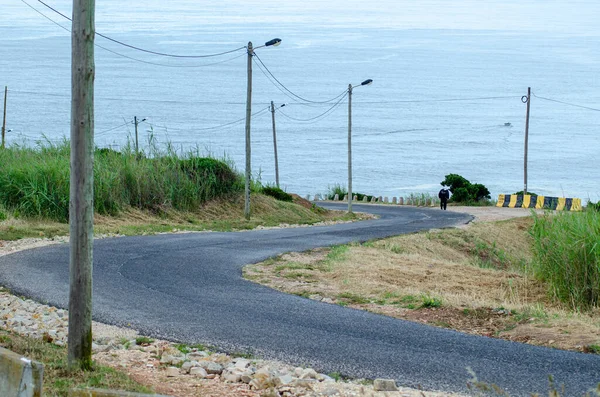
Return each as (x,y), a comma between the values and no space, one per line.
(274,42)
(350,87)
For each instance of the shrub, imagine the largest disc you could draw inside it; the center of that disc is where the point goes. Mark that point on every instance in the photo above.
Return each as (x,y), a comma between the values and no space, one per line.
(464,191)
(277,193)
(567,256)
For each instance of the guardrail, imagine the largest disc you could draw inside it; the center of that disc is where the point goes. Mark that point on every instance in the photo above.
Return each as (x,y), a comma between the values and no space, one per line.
(539,202)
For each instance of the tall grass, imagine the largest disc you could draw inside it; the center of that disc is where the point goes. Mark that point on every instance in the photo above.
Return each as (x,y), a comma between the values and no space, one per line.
(34,182)
(567,256)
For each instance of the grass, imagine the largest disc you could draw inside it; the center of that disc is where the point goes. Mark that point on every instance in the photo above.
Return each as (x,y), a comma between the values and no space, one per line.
(225,214)
(57,378)
(35,180)
(567,257)
(478,279)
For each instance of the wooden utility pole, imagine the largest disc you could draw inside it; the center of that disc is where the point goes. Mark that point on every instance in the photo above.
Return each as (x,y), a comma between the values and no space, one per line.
(349,148)
(4,117)
(248,150)
(81,206)
(275,144)
(528,101)
(137,148)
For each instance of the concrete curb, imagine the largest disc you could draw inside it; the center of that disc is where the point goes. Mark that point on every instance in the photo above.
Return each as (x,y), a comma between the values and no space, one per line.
(90,392)
(19,376)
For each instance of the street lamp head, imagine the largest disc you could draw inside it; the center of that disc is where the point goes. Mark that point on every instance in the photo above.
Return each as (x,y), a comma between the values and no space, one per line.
(367,82)
(274,43)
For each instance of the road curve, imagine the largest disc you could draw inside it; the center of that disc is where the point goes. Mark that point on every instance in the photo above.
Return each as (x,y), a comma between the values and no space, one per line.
(189,288)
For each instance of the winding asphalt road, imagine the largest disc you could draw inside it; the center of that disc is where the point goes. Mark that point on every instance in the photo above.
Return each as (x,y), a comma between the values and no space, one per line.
(189,288)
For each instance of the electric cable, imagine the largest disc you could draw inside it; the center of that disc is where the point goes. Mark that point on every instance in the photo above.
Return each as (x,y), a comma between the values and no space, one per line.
(256,114)
(565,103)
(127,56)
(316,118)
(291,92)
(142,49)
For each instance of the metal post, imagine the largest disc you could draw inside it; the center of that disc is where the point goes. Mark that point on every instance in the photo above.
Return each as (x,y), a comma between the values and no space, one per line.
(248,149)
(275,144)
(81,209)
(526,139)
(4,117)
(349,148)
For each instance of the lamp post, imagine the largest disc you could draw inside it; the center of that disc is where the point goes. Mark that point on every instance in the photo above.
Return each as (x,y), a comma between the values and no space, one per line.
(275,142)
(350,87)
(274,42)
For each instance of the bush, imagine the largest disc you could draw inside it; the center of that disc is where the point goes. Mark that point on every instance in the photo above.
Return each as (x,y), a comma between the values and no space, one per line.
(464,191)
(592,206)
(567,256)
(277,193)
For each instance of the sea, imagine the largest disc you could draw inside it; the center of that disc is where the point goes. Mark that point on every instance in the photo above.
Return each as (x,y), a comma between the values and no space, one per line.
(450,82)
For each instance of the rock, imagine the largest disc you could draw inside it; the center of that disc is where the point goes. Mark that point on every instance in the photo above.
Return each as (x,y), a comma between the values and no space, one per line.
(328,300)
(172,372)
(284,380)
(325,378)
(166,359)
(197,355)
(198,372)
(384,385)
(246,378)
(309,373)
(186,367)
(231,376)
(242,363)
(211,368)
(331,391)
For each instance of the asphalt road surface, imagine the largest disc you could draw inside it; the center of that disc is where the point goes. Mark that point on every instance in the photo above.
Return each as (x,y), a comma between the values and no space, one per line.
(189,288)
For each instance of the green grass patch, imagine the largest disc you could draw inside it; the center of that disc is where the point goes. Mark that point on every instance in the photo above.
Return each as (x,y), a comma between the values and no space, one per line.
(567,256)
(35,180)
(428,301)
(351,298)
(58,379)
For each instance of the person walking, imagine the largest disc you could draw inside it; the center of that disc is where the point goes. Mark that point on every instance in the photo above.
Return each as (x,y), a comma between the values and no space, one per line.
(444,195)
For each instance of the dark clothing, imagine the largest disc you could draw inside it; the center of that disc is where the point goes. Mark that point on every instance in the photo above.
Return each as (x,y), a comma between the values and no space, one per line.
(444,195)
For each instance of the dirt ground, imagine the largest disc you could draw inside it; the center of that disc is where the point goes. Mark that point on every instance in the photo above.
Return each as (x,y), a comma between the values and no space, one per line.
(431,278)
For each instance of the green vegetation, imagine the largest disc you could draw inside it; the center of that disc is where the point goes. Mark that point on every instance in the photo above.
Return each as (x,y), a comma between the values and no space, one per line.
(567,256)
(58,379)
(342,190)
(35,181)
(277,193)
(464,191)
(143,340)
(430,301)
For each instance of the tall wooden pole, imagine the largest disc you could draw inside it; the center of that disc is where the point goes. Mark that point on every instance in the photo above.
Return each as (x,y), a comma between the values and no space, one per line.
(350,148)
(248,150)
(81,206)
(137,148)
(526,140)
(275,144)
(4,116)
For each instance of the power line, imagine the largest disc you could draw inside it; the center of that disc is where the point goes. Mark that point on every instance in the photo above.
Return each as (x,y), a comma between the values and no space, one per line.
(260,112)
(441,100)
(316,118)
(127,56)
(142,49)
(566,103)
(288,90)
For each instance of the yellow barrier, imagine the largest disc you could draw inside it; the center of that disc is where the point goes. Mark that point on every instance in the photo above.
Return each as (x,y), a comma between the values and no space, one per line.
(539,202)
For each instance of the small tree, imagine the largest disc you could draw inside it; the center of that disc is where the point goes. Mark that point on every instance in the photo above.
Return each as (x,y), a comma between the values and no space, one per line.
(464,191)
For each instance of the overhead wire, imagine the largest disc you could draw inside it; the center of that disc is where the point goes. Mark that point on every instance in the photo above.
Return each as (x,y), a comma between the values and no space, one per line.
(127,56)
(565,103)
(316,118)
(142,49)
(220,126)
(255,56)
